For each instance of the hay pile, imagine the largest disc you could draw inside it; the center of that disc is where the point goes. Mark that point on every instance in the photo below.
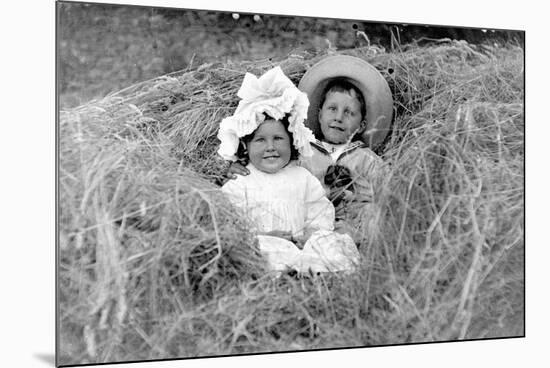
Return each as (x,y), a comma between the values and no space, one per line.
(154,264)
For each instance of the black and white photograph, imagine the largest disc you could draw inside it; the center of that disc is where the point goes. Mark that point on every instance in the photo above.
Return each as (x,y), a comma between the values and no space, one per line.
(237,183)
(241,184)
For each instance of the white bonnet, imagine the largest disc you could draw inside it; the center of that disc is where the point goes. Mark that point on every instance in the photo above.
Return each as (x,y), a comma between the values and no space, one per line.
(275,95)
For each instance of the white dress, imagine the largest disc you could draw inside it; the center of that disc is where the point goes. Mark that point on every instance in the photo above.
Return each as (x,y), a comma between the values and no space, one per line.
(293,200)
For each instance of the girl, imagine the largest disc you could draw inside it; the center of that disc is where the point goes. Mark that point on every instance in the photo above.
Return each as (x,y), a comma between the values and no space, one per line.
(285,203)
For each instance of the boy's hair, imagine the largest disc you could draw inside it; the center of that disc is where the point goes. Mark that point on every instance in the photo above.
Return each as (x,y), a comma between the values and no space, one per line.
(242,152)
(344,85)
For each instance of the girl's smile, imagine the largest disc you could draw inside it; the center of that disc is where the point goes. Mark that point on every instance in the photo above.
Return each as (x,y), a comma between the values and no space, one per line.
(269,148)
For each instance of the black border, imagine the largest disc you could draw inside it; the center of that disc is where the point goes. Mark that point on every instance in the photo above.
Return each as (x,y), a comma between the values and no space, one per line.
(56,185)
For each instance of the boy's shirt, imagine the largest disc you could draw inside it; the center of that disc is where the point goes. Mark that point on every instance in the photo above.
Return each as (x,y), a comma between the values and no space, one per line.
(356,156)
(362,163)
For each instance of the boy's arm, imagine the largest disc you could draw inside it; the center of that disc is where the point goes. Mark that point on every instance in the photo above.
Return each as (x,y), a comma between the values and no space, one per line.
(229,170)
(236,168)
(366,171)
(364,190)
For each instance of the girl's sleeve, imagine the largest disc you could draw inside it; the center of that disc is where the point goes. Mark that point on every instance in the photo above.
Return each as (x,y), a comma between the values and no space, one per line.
(234,192)
(319,210)
(360,215)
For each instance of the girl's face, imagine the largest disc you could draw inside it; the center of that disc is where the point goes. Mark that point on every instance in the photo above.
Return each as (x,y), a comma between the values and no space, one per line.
(269,148)
(340,117)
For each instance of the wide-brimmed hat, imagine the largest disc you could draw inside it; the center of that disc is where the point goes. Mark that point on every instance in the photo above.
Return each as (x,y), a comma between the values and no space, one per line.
(375,89)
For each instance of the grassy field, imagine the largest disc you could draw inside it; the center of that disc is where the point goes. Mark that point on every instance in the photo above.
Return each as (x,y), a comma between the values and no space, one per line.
(104,48)
(154,264)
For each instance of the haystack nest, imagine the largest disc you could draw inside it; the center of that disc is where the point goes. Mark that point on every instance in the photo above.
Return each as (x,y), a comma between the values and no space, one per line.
(153,262)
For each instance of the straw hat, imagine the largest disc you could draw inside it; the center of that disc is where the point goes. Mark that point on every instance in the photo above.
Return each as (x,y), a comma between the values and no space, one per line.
(375,89)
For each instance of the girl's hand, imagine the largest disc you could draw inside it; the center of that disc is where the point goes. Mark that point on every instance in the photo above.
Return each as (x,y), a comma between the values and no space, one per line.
(236,168)
(299,241)
(280,234)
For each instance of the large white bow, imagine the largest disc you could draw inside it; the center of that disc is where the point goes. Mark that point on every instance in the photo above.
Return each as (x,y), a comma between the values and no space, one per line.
(272,84)
(275,95)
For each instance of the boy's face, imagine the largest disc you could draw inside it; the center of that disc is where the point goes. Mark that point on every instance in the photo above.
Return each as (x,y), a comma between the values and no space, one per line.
(269,148)
(340,117)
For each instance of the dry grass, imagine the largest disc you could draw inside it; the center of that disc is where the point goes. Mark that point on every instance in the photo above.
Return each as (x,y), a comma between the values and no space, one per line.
(154,264)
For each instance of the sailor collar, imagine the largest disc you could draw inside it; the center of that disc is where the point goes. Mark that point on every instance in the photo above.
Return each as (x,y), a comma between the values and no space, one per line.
(352,146)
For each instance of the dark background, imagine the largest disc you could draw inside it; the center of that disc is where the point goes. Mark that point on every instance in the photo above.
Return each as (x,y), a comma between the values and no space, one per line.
(103,48)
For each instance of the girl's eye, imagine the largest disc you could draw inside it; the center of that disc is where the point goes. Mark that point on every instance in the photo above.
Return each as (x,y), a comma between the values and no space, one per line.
(258,140)
(279,138)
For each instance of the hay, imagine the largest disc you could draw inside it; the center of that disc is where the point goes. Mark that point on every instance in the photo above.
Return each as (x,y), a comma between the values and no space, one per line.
(153,263)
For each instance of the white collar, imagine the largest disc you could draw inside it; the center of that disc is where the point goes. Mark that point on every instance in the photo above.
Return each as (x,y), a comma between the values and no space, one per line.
(331,148)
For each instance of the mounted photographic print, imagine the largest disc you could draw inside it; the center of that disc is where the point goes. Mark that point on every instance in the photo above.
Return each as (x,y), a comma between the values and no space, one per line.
(235,183)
